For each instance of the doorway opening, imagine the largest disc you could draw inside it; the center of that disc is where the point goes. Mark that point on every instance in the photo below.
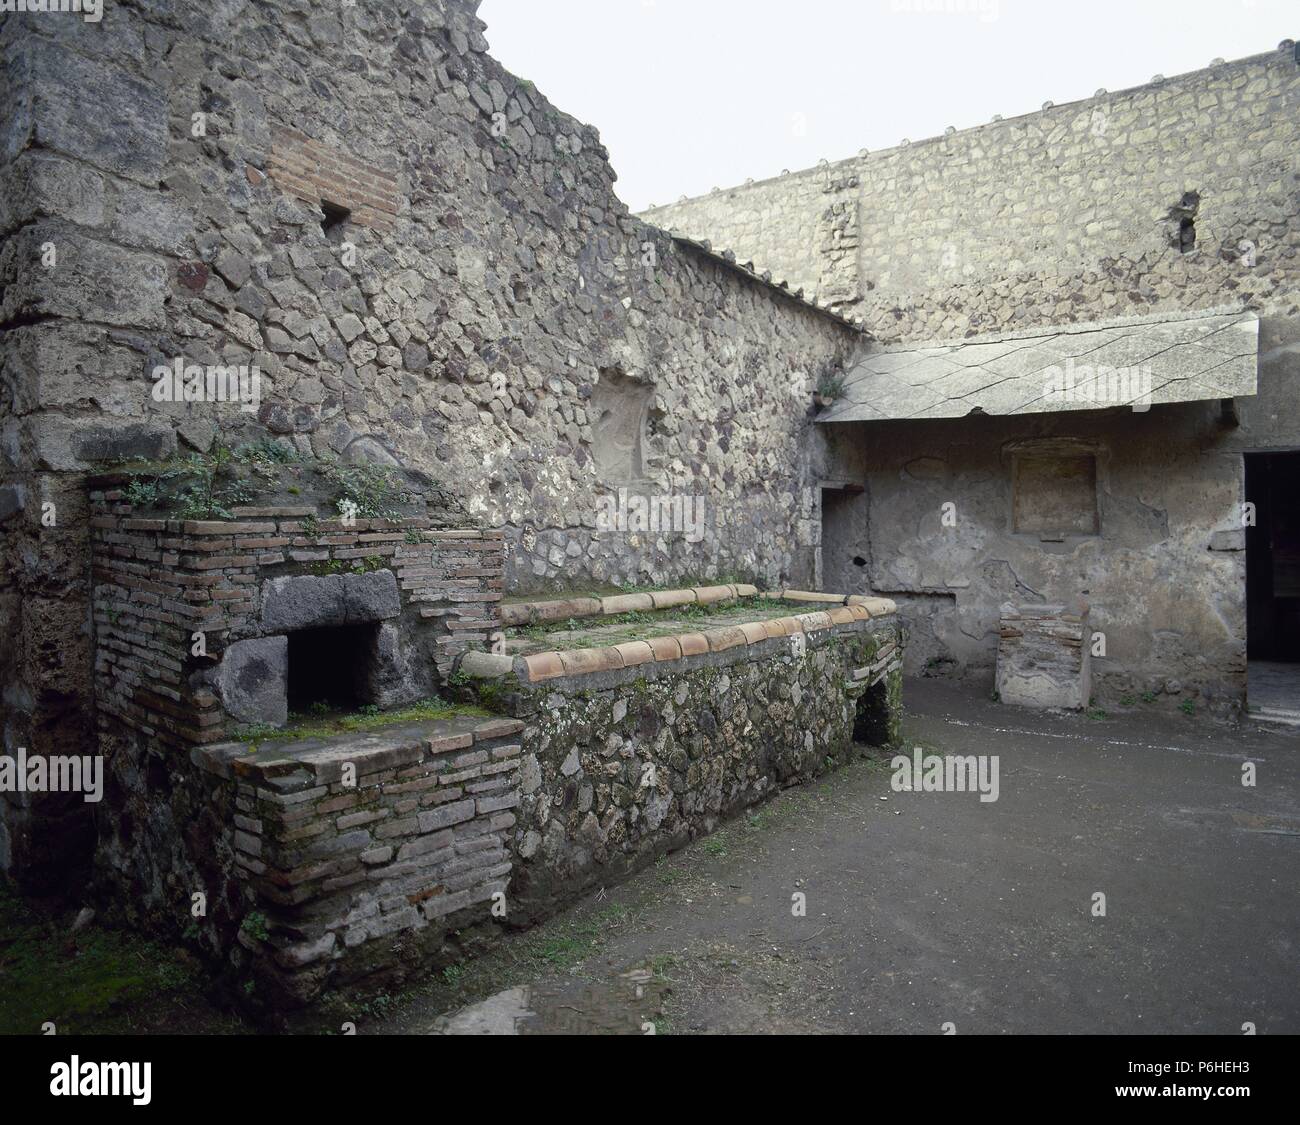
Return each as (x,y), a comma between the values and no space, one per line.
(871,716)
(1273,584)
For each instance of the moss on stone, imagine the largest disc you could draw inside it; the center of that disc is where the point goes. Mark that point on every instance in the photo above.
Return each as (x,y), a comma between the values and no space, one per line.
(300,727)
(618,628)
(96,980)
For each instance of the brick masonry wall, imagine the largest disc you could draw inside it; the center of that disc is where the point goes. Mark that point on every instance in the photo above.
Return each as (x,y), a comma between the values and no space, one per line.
(317,173)
(334,866)
(157,582)
(341,871)
(314,878)
(1051,217)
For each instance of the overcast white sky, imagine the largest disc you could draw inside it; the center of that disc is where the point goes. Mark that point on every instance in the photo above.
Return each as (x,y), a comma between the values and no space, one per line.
(693,94)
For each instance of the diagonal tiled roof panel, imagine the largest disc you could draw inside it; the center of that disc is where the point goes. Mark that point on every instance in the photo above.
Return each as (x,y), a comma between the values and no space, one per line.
(1138,362)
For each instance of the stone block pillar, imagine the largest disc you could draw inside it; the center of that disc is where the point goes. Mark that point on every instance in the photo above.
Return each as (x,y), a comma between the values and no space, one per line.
(1044,656)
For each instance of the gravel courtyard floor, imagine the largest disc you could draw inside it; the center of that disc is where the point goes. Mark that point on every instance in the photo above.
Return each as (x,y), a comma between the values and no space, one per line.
(924,909)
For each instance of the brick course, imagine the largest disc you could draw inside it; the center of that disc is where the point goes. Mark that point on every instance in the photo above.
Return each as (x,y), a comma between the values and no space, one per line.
(316,172)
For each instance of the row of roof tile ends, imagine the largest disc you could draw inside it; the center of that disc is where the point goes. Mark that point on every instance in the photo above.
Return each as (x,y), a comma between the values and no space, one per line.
(840,609)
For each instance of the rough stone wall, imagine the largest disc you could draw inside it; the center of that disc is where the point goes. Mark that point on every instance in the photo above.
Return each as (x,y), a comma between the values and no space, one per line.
(1069,214)
(458,321)
(1165,577)
(1044,656)
(342,862)
(623,766)
(775,222)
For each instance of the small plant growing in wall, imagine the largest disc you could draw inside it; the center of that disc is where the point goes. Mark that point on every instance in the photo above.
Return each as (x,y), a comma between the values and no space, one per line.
(264,458)
(202,486)
(141,493)
(372,491)
(830,385)
(254,925)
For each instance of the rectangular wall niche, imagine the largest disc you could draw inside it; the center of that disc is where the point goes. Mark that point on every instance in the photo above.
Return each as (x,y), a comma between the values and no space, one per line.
(619,411)
(1054,492)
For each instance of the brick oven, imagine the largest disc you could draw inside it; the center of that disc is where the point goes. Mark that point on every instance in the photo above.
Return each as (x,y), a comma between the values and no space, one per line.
(204,627)
(240,664)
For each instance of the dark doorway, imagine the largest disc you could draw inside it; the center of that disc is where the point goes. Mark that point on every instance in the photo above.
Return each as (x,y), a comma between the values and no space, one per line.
(871,717)
(1273,557)
(1273,587)
(330,668)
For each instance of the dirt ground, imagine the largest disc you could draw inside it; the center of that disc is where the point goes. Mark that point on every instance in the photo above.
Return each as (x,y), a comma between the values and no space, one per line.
(922,909)
(926,909)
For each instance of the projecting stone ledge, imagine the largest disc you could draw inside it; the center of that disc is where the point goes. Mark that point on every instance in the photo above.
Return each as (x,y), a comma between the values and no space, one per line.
(680,647)
(533,613)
